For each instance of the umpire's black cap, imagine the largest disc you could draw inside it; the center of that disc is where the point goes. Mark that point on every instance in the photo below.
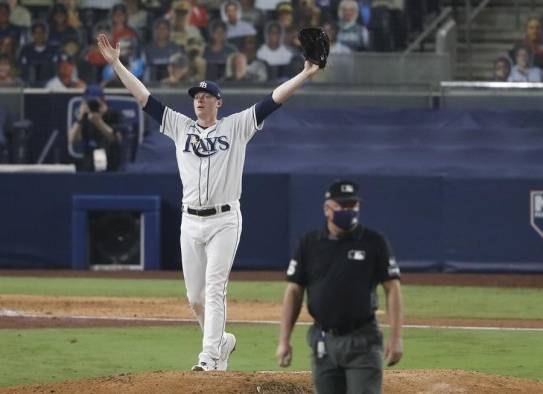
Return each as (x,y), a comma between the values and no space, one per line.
(206,86)
(342,190)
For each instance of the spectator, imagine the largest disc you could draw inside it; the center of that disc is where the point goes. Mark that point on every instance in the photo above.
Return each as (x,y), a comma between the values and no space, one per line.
(256,69)
(181,30)
(6,73)
(523,71)
(19,15)
(250,14)
(59,29)
(236,29)
(195,57)
(533,40)
(198,16)
(73,13)
(6,28)
(36,57)
(388,25)
(119,24)
(177,71)
(129,56)
(309,15)
(284,14)
(158,53)
(336,47)
(350,33)
(7,47)
(66,77)
(98,129)
(137,18)
(292,42)
(273,52)
(217,52)
(502,69)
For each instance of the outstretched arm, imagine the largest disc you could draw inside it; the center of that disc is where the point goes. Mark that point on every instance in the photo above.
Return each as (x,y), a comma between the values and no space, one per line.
(133,84)
(287,89)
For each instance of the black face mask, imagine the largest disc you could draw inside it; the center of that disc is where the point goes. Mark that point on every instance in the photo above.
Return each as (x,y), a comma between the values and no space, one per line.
(345,219)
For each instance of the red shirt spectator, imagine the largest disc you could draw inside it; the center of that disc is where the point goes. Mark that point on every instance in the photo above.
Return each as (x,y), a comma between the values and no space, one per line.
(119,24)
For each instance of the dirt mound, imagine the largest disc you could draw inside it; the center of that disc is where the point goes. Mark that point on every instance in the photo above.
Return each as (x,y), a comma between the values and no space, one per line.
(401,381)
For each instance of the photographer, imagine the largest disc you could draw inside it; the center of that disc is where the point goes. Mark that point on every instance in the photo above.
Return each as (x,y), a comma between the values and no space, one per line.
(97,129)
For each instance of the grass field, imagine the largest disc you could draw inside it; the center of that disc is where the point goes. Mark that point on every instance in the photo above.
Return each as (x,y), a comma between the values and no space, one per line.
(40,355)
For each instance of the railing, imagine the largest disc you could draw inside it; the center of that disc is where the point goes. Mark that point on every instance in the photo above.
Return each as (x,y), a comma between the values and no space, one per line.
(470,17)
(445,14)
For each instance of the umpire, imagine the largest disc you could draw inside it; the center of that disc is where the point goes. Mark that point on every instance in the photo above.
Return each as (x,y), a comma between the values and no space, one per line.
(340,267)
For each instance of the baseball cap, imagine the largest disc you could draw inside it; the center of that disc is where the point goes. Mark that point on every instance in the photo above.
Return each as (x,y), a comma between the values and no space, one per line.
(93,92)
(182,5)
(206,86)
(342,190)
(284,6)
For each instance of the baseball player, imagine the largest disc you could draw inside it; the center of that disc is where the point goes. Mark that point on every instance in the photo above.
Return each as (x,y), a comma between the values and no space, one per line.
(210,154)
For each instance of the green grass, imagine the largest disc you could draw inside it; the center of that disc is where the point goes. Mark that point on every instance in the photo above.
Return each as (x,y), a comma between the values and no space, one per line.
(420,301)
(42,355)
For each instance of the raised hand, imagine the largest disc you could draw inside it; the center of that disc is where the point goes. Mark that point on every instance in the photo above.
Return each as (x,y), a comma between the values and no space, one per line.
(310,68)
(108,52)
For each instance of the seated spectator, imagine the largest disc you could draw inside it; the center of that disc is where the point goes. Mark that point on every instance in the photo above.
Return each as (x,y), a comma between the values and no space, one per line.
(236,29)
(502,69)
(523,71)
(7,47)
(198,16)
(7,29)
(285,15)
(66,77)
(59,29)
(336,47)
(73,13)
(309,15)
(181,31)
(292,42)
(177,71)
(6,73)
(130,58)
(196,62)
(217,51)
(98,130)
(19,15)
(137,18)
(351,33)
(251,14)
(36,57)
(158,53)
(533,40)
(119,24)
(274,53)
(256,69)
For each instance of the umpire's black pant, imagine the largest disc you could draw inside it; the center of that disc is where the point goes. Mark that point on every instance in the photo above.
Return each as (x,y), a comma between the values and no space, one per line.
(351,363)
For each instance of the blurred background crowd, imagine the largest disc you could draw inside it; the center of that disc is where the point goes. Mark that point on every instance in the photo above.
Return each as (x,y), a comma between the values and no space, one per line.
(168,43)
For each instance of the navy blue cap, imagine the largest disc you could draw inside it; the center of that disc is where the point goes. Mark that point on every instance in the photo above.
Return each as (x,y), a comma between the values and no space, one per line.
(342,190)
(93,92)
(206,86)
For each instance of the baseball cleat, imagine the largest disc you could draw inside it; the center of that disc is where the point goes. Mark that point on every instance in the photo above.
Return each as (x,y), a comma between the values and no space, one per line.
(202,366)
(227,348)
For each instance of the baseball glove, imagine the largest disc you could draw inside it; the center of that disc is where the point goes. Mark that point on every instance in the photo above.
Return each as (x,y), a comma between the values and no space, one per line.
(315,45)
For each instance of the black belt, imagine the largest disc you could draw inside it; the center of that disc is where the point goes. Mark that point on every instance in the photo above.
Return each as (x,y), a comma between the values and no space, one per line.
(208,211)
(344,330)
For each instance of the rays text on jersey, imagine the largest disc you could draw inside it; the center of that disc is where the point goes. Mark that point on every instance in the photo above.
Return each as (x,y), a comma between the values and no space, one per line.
(205,147)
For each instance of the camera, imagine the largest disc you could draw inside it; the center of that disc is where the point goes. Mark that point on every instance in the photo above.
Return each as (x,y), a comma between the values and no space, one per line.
(94,105)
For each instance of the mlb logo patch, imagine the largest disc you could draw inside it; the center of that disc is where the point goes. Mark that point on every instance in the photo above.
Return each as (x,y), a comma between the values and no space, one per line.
(536,211)
(357,255)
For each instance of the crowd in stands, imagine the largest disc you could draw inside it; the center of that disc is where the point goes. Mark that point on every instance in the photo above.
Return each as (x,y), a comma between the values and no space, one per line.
(524,62)
(170,43)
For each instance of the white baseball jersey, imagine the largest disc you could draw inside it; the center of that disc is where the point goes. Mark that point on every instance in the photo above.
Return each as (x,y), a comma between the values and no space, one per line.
(210,160)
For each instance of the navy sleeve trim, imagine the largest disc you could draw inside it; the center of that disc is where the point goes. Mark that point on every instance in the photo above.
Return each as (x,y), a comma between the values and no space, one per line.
(264,108)
(155,109)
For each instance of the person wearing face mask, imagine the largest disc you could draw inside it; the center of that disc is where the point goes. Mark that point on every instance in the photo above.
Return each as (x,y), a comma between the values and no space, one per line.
(340,267)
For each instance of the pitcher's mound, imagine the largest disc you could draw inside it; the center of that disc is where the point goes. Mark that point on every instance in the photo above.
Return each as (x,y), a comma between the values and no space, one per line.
(396,381)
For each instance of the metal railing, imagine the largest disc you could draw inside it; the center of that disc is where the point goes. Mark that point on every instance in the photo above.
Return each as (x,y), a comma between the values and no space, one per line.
(445,14)
(471,14)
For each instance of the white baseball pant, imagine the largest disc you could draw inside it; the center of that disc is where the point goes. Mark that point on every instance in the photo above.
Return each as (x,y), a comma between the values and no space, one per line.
(208,248)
